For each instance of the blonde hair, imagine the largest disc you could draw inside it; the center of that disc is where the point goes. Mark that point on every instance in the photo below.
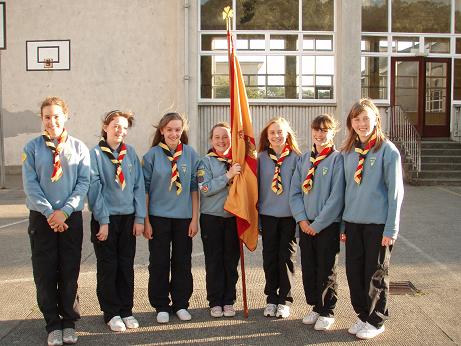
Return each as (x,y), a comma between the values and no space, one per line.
(54,100)
(291,137)
(158,137)
(363,105)
(113,114)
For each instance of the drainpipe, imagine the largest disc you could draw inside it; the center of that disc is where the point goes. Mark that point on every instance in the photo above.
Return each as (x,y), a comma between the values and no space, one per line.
(2,143)
(186,57)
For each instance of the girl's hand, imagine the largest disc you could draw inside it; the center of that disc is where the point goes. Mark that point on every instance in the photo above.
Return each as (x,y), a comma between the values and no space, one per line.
(147,230)
(387,241)
(57,221)
(138,229)
(103,232)
(233,171)
(193,229)
(306,228)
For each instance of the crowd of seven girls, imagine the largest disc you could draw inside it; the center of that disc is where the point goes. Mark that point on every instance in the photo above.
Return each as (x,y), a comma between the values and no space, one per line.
(352,195)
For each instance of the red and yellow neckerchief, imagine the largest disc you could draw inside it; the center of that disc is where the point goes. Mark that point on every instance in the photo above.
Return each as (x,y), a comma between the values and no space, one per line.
(56,150)
(276,185)
(362,155)
(174,167)
(315,161)
(227,159)
(119,177)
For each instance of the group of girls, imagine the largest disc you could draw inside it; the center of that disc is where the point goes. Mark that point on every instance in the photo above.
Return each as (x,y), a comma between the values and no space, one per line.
(160,200)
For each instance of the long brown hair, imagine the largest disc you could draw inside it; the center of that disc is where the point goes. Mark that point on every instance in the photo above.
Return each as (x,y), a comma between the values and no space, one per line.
(363,105)
(291,137)
(113,114)
(158,137)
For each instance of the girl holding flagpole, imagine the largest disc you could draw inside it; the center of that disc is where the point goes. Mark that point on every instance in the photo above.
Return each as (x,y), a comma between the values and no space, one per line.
(218,227)
(56,177)
(317,201)
(170,168)
(278,155)
(117,199)
(374,194)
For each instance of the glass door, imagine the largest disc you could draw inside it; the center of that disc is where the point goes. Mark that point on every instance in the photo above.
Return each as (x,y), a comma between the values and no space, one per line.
(437,96)
(421,87)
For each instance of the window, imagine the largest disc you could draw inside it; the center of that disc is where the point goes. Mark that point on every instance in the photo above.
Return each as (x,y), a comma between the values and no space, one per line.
(374,15)
(279,60)
(457,80)
(421,16)
(374,77)
(458,16)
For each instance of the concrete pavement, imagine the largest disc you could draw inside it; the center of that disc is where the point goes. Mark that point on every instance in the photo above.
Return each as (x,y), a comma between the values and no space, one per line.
(427,254)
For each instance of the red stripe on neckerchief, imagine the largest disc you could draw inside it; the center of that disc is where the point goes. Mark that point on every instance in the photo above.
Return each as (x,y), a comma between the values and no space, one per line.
(174,167)
(119,177)
(315,161)
(277,185)
(56,150)
(362,155)
(227,159)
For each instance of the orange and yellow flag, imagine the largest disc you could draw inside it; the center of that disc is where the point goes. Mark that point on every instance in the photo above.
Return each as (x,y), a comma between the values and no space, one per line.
(243,193)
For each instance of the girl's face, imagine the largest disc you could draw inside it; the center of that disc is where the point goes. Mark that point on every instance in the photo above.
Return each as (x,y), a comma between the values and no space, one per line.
(277,135)
(172,132)
(221,140)
(116,130)
(53,119)
(322,137)
(364,124)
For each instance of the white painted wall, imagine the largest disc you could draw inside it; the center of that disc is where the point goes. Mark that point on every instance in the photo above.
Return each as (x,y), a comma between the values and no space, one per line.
(126,55)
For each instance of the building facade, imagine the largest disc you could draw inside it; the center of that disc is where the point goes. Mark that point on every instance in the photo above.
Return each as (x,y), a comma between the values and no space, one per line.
(300,58)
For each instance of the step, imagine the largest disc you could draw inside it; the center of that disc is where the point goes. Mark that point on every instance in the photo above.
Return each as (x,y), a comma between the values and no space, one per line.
(444,152)
(440,158)
(437,174)
(440,145)
(432,182)
(441,166)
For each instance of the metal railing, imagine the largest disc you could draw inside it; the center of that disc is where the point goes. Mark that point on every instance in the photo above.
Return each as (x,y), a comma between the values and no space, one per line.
(403,133)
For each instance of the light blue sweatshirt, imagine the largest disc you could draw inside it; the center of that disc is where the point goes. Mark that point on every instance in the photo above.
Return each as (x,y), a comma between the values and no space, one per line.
(66,194)
(212,182)
(377,200)
(105,197)
(269,202)
(164,202)
(324,203)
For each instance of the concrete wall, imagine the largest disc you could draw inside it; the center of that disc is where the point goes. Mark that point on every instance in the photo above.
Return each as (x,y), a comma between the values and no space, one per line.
(126,55)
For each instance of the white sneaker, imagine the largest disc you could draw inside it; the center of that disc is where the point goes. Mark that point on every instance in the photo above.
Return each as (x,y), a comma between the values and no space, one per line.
(116,324)
(229,311)
(270,310)
(163,317)
(324,323)
(183,315)
(283,311)
(131,322)
(55,338)
(69,336)
(369,331)
(356,327)
(311,317)
(216,311)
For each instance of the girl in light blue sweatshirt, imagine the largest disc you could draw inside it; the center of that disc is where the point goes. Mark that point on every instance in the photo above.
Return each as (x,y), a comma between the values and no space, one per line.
(218,227)
(278,155)
(117,199)
(317,201)
(56,177)
(170,169)
(374,194)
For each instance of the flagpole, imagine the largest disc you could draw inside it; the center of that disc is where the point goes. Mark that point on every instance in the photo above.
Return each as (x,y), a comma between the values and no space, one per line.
(228,16)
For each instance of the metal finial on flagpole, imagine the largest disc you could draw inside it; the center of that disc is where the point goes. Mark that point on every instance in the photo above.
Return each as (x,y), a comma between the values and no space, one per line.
(227,15)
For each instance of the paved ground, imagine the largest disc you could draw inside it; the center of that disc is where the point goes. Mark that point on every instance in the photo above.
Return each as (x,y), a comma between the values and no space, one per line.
(427,254)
